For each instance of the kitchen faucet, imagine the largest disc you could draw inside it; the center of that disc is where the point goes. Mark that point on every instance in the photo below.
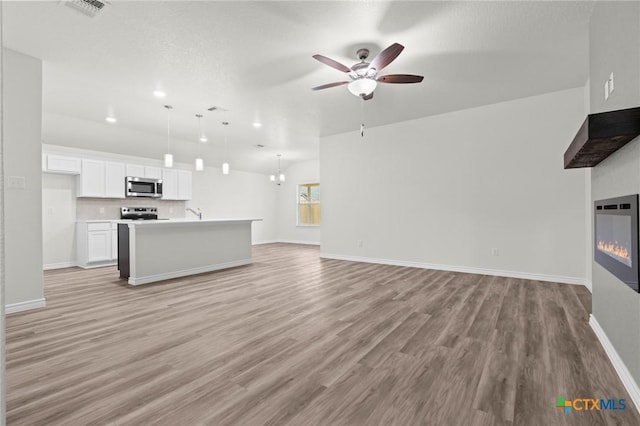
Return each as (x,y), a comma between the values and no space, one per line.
(197,213)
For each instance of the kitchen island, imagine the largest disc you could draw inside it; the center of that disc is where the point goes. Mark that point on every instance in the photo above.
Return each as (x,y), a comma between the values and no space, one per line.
(156,250)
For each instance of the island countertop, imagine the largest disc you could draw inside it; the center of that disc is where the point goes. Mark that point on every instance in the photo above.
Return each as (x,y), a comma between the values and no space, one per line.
(185,221)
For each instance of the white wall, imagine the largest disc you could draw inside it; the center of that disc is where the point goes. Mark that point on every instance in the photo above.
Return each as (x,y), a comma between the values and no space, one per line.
(288,230)
(22,105)
(237,195)
(616,307)
(2,246)
(443,191)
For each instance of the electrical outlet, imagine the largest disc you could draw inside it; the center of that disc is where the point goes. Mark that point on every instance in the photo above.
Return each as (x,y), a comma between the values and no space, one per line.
(170,210)
(50,211)
(101,210)
(495,252)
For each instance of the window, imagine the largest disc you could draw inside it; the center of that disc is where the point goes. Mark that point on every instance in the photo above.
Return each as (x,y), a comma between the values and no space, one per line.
(309,204)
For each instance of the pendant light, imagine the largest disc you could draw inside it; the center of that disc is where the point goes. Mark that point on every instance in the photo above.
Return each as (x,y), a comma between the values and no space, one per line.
(279,177)
(225,165)
(168,157)
(202,139)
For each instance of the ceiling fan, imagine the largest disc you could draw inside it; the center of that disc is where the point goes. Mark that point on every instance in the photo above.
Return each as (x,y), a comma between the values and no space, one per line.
(363,76)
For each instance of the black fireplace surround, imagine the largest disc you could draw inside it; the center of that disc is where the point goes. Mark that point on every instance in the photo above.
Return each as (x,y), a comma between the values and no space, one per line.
(616,237)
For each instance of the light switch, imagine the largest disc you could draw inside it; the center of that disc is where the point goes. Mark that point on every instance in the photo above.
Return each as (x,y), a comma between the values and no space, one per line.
(16,182)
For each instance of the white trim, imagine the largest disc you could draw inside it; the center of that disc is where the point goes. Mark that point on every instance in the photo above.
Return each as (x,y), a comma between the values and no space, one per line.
(588,285)
(264,242)
(623,372)
(310,243)
(59,265)
(456,268)
(25,306)
(176,274)
(100,264)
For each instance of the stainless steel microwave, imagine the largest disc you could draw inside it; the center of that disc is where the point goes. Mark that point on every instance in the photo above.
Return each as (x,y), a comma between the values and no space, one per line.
(143,187)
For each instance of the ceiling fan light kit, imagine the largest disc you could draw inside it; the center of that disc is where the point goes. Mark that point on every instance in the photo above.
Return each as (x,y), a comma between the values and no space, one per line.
(362,86)
(363,76)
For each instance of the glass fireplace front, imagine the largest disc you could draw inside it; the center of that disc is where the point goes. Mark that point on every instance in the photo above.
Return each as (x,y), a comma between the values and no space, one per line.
(616,237)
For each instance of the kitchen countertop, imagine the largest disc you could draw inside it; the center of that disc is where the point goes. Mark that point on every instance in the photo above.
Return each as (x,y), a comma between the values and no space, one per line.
(185,221)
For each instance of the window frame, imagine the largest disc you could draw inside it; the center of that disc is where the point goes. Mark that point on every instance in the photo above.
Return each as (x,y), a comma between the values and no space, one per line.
(298,204)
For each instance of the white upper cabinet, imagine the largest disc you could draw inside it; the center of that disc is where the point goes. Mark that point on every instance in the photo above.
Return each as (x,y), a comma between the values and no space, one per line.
(91,182)
(184,185)
(101,179)
(53,163)
(169,184)
(135,170)
(153,172)
(114,180)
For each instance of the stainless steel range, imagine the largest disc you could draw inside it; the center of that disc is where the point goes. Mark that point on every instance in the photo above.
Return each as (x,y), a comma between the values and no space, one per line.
(139,213)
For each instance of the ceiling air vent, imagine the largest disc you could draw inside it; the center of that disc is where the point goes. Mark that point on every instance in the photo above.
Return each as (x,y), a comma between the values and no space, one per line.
(87,7)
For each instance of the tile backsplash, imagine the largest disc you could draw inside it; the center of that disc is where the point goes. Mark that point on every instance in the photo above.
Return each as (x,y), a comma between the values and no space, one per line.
(109,209)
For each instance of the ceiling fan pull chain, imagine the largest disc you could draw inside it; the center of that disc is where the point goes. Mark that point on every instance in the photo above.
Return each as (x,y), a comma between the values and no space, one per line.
(362,116)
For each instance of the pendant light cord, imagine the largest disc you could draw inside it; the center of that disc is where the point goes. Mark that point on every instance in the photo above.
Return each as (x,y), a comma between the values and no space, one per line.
(168,107)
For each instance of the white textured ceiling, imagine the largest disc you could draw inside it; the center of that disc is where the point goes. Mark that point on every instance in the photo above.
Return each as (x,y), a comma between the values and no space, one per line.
(254,59)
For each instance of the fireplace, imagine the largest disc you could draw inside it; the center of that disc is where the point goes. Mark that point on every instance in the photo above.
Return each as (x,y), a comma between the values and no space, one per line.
(616,237)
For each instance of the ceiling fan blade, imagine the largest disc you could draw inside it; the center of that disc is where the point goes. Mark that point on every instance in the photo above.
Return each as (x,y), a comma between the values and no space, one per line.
(367,97)
(400,78)
(326,86)
(333,64)
(387,56)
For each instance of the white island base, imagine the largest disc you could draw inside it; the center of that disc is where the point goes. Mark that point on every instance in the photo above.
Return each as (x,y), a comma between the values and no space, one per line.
(156,250)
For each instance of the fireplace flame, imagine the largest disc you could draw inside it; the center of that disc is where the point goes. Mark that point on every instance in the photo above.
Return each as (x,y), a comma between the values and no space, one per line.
(612,248)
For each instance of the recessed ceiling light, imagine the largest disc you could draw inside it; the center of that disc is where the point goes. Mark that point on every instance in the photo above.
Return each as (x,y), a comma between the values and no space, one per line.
(111,119)
(257,125)
(159,94)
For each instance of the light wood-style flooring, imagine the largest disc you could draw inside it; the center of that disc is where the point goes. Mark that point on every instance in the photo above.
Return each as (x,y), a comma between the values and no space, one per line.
(293,339)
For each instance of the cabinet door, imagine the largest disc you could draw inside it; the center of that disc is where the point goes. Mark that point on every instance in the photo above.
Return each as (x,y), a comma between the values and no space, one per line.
(91,179)
(114,244)
(62,164)
(99,245)
(114,180)
(135,170)
(184,185)
(169,184)
(153,172)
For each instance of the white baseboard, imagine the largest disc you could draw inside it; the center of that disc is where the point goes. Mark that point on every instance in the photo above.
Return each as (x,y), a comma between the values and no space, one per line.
(185,272)
(456,268)
(259,243)
(309,243)
(623,372)
(60,265)
(97,264)
(24,306)
(588,285)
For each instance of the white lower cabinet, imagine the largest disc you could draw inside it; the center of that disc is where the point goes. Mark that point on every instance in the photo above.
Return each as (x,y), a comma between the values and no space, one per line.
(114,241)
(97,244)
